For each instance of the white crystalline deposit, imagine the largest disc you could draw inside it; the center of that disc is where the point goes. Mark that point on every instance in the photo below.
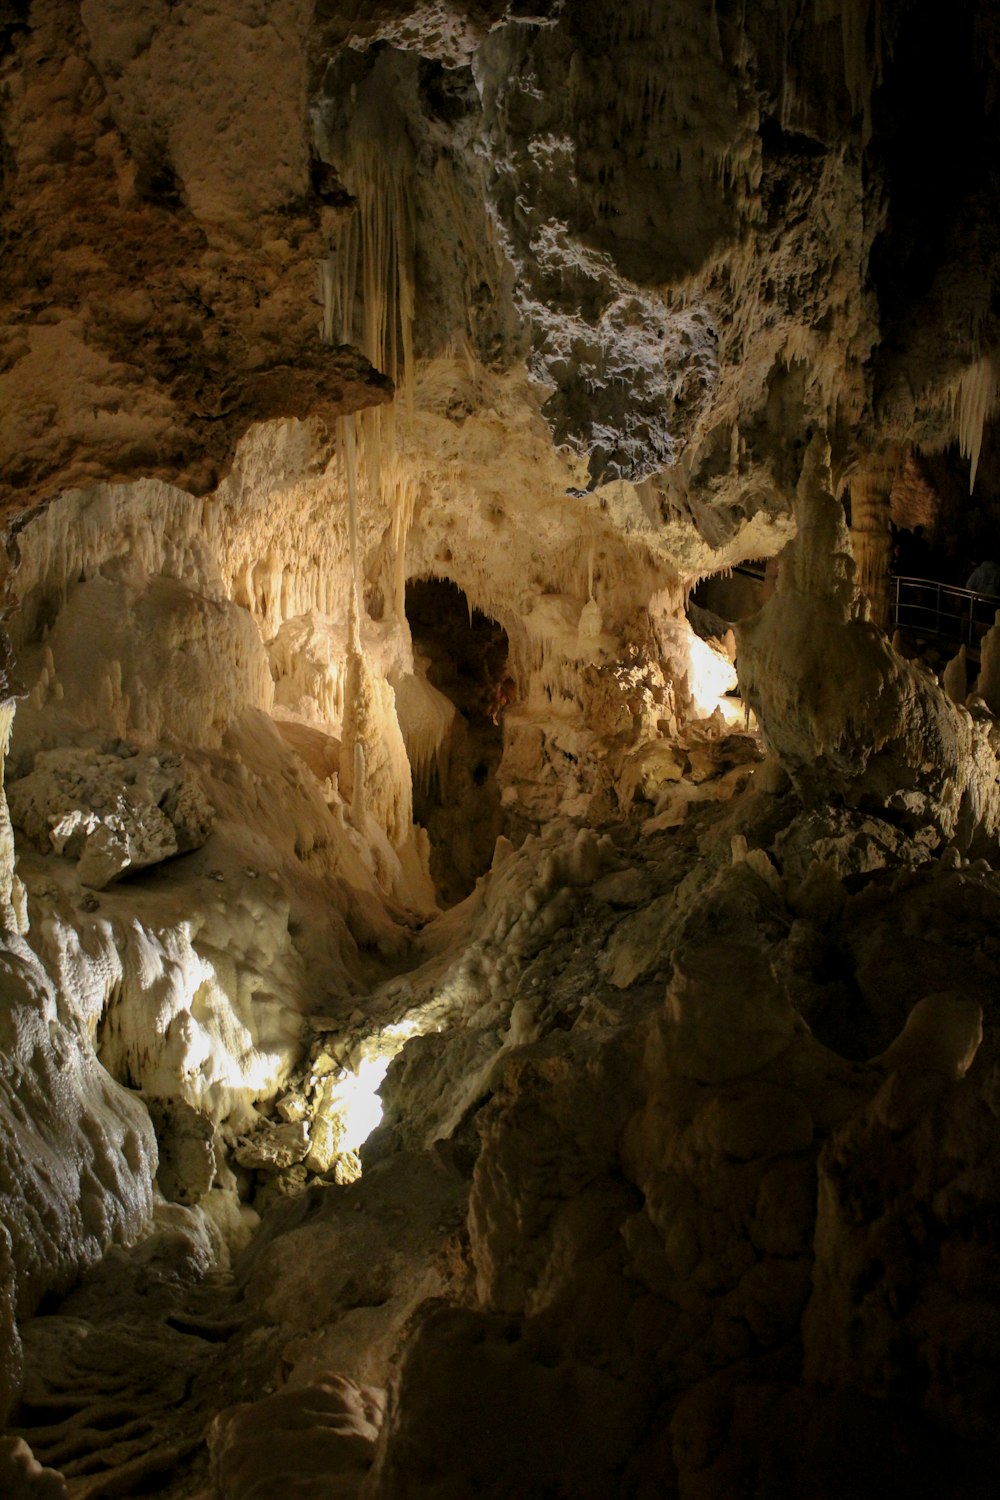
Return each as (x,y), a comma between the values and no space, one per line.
(77,1155)
(145,658)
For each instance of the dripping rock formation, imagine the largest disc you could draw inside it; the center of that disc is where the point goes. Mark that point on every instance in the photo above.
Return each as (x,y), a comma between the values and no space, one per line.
(499,906)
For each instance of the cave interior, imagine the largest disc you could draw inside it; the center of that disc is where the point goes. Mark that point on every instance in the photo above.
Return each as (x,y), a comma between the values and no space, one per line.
(500,812)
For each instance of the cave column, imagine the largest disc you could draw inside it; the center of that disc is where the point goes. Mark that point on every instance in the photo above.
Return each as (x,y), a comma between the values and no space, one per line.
(6,831)
(13,899)
(871,533)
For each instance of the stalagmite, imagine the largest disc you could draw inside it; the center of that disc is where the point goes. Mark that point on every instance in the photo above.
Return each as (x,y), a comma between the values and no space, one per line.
(988,682)
(884,724)
(7,875)
(351,469)
(355,786)
(871,539)
(955,679)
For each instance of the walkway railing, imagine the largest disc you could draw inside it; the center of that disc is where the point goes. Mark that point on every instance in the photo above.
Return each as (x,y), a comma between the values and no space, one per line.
(929,608)
(750,570)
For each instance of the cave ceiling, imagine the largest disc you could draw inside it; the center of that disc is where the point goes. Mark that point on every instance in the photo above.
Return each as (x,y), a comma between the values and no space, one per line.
(705,233)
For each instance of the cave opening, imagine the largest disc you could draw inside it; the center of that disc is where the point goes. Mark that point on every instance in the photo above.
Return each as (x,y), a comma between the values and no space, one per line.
(464,654)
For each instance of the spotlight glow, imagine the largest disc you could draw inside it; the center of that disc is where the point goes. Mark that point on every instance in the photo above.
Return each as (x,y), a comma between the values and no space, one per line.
(358,1102)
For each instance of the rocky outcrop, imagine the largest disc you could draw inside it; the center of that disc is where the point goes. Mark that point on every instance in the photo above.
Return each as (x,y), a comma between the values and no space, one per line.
(24,1478)
(110,819)
(841,709)
(663,1161)
(163,292)
(78,1150)
(296,1441)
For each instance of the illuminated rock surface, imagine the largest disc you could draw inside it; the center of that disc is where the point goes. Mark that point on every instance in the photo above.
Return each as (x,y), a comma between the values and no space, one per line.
(474,1018)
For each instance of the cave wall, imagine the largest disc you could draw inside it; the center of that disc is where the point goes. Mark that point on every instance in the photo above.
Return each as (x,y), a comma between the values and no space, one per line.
(685,1180)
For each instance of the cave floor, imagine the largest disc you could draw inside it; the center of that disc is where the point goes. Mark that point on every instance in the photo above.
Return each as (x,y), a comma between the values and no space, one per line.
(126,1373)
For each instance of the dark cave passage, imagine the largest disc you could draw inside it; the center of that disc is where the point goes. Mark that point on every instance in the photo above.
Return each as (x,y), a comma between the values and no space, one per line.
(464,654)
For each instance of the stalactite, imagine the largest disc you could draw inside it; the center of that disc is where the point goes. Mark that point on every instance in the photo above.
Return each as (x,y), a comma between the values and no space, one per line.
(373,257)
(861,43)
(427,720)
(974,399)
(367,286)
(404,502)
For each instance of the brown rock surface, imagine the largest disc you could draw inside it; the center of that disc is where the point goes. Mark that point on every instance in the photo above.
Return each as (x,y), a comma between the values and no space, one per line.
(471,1021)
(158,289)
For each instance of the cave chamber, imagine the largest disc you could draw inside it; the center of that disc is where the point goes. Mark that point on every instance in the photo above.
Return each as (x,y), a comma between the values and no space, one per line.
(498,972)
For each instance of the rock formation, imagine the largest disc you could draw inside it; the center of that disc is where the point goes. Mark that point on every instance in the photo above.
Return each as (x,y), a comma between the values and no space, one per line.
(474,1018)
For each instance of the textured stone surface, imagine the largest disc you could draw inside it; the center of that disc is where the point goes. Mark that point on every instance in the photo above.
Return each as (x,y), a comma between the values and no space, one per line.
(78,1154)
(146,349)
(297,1443)
(23,1477)
(685,1182)
(887,737)
(110,817)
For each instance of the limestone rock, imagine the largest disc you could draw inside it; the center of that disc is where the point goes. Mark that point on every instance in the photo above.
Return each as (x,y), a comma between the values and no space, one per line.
(687,1182)
(890,1252)
(483,1376)
(133,381)
(886,726)
(724,1015)
(112,813)
(987,684)
(852,843)
(343,1271)
(187,1155)
(77,1153)
(12,1370)
(942,1035)
(955,678)
(274,1147)
(624,888)
(23,1478)
(297,1443)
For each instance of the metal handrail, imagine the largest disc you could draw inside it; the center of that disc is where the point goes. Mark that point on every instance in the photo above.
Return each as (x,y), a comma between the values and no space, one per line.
(749,571)
(929,607)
